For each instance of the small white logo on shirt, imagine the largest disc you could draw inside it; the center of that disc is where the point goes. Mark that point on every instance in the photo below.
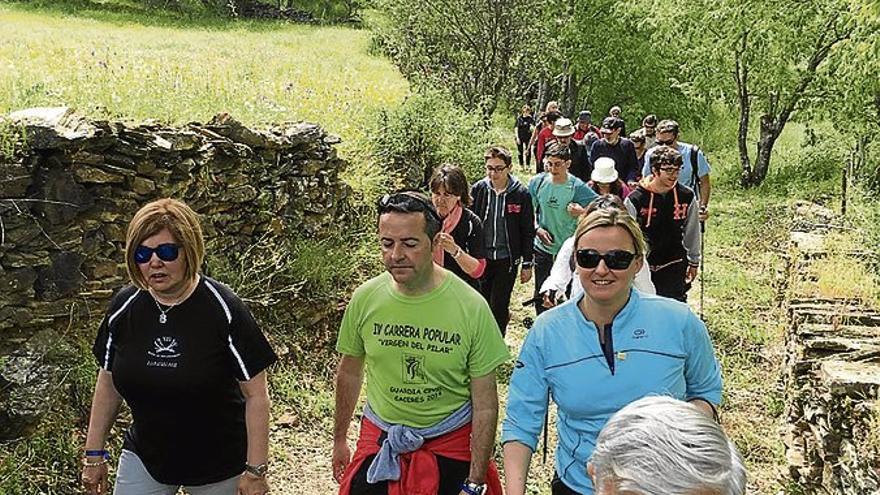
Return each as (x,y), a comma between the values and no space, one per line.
(164,347)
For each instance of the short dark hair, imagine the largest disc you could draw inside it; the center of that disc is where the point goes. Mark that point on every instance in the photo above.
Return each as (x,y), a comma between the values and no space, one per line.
(410,201)
(552,116)
(668,126)
(499,152)
(665,155)
(558,150)
(453,180)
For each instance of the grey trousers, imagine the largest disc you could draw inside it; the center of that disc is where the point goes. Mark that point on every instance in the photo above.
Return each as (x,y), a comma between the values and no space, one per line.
(132,478)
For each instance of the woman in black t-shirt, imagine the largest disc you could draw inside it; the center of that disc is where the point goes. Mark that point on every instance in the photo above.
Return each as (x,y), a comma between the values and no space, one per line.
(460,247)
(183,351)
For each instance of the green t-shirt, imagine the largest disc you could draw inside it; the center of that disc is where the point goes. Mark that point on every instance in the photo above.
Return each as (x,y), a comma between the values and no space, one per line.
(551,204)
(420,352)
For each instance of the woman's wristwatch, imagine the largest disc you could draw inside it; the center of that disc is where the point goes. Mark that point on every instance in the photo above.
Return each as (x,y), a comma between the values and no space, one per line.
(259,470)
(472,488)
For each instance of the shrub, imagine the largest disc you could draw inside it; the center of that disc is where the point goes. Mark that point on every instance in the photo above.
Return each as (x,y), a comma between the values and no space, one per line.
(425,131)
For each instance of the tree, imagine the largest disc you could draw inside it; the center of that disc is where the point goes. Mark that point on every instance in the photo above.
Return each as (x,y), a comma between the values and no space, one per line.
(852,103)
(475,49)
(774,52)
(608,52)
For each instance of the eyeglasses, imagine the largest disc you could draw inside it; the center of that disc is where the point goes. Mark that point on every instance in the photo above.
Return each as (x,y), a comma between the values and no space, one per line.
(407,201)
(166,252)
(670,170)
(495,169)
(617,259)
(662,142)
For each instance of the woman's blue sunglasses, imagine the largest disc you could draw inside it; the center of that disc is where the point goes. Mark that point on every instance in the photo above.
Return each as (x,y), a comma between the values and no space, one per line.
(165,252)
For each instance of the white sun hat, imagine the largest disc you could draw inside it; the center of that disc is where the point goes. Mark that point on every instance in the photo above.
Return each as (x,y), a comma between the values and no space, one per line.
(604,171)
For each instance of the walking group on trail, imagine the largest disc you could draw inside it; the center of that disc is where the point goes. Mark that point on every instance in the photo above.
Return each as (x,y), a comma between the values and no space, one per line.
(609,229)
(609,232)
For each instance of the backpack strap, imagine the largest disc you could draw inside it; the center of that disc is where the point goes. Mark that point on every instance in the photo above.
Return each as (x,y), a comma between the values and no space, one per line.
(538,203)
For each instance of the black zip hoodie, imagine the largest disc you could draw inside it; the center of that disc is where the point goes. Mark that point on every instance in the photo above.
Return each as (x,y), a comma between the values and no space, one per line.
(519,217)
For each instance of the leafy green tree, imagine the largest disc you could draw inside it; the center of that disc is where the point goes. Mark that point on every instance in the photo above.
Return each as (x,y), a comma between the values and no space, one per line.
(767,57)
(852,98)
(607,51)
(475,49)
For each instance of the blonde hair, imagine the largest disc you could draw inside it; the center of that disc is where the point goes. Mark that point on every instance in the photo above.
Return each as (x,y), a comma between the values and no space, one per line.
(612,217)
(180,220)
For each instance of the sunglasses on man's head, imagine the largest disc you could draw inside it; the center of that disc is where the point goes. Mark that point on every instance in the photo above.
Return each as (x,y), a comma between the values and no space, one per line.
(407,201)
(617,259)
(165,252)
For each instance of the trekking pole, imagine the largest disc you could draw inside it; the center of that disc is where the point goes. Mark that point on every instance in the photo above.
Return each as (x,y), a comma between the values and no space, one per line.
(546,429)
(697,194)
(702,265)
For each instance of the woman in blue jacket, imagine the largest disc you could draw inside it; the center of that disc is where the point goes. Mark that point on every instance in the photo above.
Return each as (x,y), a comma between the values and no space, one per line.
(595,354)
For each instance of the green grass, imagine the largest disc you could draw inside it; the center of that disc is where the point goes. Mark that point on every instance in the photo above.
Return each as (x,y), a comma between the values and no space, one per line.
(122,63)
(119,60)
(116,59)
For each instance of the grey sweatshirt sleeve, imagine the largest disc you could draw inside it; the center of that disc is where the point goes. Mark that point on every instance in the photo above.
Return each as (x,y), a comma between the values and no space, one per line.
(692,233)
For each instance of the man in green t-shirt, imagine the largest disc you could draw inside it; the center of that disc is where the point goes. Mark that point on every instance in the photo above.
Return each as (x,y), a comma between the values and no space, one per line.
(430,346)
(559,199)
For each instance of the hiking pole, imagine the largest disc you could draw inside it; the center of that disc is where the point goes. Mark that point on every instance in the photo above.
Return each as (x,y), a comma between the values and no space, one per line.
(702,264)
(546,429)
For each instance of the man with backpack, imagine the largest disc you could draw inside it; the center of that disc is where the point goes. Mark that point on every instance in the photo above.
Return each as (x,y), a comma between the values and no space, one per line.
(559,198)
(667,212)
(695,168)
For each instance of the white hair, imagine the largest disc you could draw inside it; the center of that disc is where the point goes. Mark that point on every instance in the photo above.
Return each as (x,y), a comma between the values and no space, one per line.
(663,446)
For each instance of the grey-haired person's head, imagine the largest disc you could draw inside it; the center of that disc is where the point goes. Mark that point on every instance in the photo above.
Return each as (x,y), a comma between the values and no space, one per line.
(658,446)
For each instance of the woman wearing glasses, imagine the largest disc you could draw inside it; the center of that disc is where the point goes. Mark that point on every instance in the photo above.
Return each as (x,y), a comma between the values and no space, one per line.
(595,354)
(460,247)
(563,276)
(183,351)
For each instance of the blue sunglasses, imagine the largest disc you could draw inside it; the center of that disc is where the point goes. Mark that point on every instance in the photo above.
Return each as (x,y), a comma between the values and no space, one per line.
(165,252)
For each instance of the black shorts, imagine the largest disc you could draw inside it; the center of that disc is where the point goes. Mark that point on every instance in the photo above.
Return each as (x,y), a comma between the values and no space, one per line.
(452,474)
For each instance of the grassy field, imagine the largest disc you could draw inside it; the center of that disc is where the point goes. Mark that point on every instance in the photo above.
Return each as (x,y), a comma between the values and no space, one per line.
(127,62)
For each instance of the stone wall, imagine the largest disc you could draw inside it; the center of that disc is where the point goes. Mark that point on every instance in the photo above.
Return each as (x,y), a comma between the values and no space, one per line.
(69,186)
(831,376)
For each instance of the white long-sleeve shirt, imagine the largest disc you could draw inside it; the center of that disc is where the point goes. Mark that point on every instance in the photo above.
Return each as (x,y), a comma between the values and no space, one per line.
(561,274)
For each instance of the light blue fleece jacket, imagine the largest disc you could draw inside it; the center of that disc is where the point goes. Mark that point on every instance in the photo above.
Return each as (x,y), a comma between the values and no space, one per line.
(660,348)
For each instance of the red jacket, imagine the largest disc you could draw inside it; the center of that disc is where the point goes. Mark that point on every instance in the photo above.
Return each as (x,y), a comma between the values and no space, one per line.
(545,135)
(419,474)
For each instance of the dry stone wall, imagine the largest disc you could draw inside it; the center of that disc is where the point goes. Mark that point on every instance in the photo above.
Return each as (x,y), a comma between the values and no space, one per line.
(831,376)
(69,186)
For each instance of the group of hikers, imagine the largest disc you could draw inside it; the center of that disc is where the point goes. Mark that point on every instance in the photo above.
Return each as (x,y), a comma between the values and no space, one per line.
(611,231)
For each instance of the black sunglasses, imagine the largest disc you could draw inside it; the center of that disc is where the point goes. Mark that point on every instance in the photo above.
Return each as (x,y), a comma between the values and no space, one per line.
(662,142)
(166,252)
(614,260)
(408,201)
